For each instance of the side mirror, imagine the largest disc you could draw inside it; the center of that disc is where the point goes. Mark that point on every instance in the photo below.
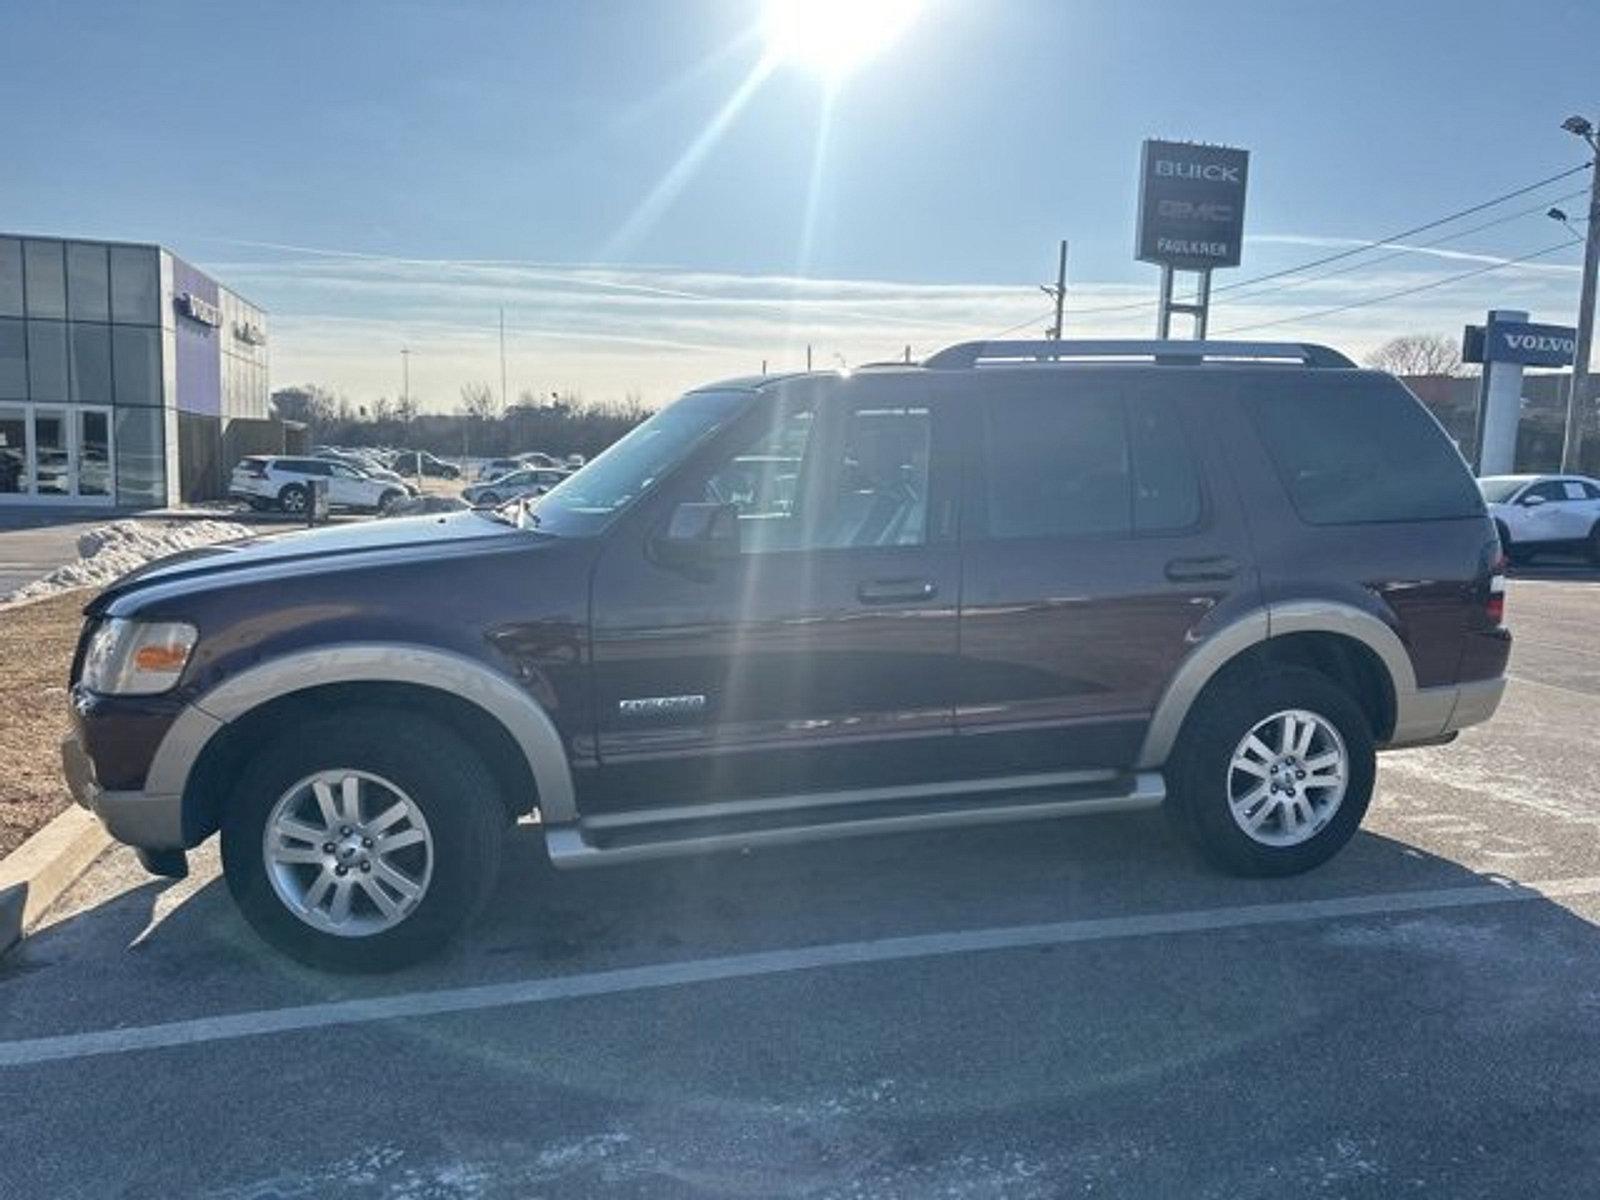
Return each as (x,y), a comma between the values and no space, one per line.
(698,534)
(1532,501)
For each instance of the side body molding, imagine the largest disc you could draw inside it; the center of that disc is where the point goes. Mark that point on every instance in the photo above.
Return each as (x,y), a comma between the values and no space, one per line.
(1419,713)
(378,662)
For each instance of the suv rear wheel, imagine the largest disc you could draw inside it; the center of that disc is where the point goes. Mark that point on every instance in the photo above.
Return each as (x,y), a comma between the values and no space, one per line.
(1273,772)
(363,841)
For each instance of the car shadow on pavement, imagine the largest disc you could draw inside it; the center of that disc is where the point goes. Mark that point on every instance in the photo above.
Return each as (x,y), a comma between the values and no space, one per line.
(151,951)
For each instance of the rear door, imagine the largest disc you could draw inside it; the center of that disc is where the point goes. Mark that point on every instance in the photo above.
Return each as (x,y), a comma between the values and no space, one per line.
(823,656)
(1096,550)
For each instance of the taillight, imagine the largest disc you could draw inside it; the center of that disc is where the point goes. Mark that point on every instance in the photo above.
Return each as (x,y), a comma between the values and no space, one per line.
(1495,606)
(256,470)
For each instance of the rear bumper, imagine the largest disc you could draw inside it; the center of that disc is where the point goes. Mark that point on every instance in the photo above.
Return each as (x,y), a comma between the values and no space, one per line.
(1431,714)
(139,818)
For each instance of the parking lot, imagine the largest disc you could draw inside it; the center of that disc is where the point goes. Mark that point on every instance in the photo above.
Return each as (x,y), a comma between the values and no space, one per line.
(1069,1009)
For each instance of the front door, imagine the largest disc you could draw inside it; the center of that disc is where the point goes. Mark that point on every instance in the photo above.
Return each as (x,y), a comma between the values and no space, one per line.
(51,453)
(1093,551)
(821,657)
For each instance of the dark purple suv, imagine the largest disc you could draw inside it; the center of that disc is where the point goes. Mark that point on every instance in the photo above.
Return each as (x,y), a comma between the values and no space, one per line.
(1018,581)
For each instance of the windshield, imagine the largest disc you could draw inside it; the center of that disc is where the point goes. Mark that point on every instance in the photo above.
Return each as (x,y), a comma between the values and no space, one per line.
(1499,490)
(585,503)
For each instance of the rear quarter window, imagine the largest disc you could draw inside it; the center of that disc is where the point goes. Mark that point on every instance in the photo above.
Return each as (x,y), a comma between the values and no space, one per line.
(1359,450)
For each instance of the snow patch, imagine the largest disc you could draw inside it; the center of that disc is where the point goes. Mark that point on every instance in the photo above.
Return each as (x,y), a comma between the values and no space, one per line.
(108,552)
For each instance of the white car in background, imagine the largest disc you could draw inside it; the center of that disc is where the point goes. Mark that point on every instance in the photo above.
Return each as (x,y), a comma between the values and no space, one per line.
(273,481)
(514,485)
(1538,513)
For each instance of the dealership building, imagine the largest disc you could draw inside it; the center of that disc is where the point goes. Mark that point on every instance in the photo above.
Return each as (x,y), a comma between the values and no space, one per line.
(128,379)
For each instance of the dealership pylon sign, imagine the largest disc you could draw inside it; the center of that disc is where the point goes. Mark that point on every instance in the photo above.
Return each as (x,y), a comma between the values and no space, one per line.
(1191,217)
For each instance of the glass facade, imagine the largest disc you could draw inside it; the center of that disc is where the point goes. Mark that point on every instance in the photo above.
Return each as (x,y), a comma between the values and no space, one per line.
(11,278)
(90,380)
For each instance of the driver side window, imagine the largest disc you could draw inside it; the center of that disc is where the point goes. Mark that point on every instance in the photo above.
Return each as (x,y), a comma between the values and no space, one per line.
(871,489)
(761,479)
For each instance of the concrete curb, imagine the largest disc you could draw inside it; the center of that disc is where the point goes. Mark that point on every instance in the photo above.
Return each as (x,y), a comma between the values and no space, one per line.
(36,874)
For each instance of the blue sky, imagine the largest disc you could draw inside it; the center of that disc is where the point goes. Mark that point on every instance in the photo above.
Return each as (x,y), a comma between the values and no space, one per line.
(382,175)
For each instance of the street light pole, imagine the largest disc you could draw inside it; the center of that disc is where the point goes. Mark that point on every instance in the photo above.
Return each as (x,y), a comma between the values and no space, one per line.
(1578,393)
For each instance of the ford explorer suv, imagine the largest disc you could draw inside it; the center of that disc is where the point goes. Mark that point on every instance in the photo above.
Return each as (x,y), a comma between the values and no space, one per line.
(1017,581)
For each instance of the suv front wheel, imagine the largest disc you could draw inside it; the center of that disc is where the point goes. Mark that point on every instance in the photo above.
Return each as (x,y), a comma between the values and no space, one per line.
(363,841)
(1273,773)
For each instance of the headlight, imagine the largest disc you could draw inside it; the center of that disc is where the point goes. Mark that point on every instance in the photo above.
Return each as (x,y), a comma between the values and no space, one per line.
(137,658)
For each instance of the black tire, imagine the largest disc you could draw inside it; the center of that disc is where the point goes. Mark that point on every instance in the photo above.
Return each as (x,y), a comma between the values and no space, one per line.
(489,500)
(1199,774)
(435,768)
(293,499)
(389,499)
(1594,544)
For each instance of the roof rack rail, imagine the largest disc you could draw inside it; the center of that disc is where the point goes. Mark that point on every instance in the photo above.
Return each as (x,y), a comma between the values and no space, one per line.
(966,355)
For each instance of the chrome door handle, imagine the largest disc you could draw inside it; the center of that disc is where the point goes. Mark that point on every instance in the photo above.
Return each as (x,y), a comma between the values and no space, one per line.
(1191,570)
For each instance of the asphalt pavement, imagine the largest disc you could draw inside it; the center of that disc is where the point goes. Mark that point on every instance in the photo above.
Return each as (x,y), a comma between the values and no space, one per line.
(1080,1008)
(31,549)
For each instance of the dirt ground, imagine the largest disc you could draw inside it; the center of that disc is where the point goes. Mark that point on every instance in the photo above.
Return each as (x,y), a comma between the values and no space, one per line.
(36,643)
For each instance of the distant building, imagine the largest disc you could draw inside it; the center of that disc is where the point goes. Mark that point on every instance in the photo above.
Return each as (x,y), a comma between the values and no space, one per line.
(126,375)
(1453,400)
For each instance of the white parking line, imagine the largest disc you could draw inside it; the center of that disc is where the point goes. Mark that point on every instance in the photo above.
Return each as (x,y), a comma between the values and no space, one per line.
(27,1051)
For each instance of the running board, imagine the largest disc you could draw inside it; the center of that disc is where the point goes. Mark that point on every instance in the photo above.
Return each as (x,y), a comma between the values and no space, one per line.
(610,839)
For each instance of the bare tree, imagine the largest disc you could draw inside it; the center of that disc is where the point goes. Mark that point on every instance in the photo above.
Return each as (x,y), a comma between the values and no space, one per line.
(479,400)
(307,403)
(1420,354)
(406,410)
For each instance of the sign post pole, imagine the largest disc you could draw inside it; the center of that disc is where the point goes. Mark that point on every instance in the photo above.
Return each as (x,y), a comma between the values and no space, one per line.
(1164,316)
(1504,345)
(1202,305)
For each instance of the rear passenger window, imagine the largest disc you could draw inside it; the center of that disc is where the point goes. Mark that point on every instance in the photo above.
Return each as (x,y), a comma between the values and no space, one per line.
(1083,466)
(1166,483)
(1057,466)
(1354,451)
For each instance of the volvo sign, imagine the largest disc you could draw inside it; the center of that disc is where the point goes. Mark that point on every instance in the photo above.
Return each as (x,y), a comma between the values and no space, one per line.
(1191,205)
(1529,344)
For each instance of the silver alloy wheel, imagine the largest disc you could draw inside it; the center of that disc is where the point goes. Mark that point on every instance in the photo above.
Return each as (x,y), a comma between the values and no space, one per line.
(293,500)
(1287,778)
(348,852)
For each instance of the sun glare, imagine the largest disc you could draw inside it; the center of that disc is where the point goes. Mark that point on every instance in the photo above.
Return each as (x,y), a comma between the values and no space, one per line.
(834,37)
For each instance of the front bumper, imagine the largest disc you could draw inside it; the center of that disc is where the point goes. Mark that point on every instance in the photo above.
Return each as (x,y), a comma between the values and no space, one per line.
(139,818)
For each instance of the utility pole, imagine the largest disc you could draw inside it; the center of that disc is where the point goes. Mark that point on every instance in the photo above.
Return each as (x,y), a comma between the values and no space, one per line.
(1578,393)
(808,356)
(405,374)
(1059,292)
(502,358)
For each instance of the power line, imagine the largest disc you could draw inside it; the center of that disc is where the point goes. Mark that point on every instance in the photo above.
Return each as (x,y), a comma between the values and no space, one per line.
(994,337)
(1405,250)
(1405,233)
(1410,291)
(1354,250)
